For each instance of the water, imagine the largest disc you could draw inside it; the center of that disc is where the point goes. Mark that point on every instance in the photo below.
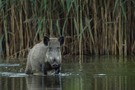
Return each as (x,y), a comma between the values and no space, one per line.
(91,73)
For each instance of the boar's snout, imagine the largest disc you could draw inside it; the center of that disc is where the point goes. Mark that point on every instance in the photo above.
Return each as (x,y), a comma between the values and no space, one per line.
(55,65)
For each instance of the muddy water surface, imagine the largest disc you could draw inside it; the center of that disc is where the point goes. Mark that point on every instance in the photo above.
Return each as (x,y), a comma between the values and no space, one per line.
(89,73)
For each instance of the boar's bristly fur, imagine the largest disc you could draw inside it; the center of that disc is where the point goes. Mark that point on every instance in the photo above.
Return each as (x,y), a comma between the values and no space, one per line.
(45,56)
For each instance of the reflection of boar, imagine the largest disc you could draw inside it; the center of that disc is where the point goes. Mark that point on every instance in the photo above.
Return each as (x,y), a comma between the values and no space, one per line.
(45,56)
(44,83)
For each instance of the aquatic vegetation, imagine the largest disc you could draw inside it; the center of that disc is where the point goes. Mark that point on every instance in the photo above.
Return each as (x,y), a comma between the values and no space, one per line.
(92,27)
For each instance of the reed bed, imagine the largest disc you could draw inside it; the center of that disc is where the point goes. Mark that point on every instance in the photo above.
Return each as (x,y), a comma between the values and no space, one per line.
(90,27)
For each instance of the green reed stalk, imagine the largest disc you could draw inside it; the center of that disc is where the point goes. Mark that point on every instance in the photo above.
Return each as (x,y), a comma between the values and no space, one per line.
(94,26)
(1,49)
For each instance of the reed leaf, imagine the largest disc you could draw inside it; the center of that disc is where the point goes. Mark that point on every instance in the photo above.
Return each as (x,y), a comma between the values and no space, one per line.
(76,27)
(98,25)
(58,27)
(115,6)
(90,30)
(1,49)
(69,4)
(39,26)
(123,10)
(64,25)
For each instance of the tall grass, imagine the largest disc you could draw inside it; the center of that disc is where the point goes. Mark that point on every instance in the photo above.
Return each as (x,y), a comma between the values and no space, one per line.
(92,27)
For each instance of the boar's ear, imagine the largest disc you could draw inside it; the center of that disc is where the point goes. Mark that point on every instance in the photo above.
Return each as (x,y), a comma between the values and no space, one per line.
(61,40)
(46,40)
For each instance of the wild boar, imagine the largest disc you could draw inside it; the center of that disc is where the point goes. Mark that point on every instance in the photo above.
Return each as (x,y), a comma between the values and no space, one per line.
(45,56)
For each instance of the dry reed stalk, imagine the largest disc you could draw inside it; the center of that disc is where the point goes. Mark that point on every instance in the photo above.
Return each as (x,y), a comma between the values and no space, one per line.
(6,37)
(80,37)
(109,34)
(20,29)
(95,26)
(115,38)
(125,43)
(105,31)
(119,34)
(100,27)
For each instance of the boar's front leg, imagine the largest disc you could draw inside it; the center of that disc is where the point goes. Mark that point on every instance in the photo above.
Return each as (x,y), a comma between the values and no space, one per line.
(46,67)
(43,69)
(28,69)
(57,70)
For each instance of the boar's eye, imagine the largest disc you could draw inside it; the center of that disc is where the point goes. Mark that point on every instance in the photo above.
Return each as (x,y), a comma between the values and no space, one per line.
(57,48)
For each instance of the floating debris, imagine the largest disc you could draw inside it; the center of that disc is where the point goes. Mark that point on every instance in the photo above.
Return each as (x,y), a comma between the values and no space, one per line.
(9,65)
(99,75)
(12,74)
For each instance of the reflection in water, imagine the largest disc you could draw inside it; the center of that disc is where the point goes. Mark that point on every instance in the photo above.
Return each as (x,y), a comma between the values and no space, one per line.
(105,73)
(111,83)
(100,83)
(68,83)
(9,83)
(43,82)
(114,83)
(31,83)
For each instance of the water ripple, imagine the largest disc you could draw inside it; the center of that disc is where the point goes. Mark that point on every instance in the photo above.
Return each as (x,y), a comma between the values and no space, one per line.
(12,74)
(9,65)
